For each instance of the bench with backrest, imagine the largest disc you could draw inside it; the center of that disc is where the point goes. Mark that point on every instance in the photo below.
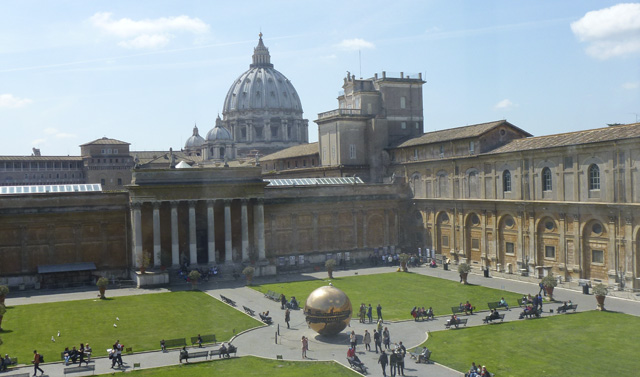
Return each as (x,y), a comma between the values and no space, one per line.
(355,364)
(461,321)
(230,350)
(563,308)
(488,319)
(272,295)
(193,355)
(266,319)
(14,362)
(227,300)
(80,369)
(174,343)
(206,339)
(249,311)
(419,357)
(535,312)
(458,309)
(496,305)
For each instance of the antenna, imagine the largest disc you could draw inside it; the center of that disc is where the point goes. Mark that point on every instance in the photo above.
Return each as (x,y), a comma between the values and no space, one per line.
(360,64)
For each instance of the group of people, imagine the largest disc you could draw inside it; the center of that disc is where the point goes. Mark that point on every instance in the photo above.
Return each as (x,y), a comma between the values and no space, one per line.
(5,362)
(418,313)
(477,371)
(366,311)
(74,354)
(205,274)
(395,360)
(467,308)
(284,304)
(533,305)
(115,354)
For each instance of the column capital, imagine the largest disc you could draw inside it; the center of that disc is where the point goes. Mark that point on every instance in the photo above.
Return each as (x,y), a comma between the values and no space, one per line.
(628,220)
(612,219)
(156,204)
(211,202)
(192,203)
(227,202)
(174,203)
(136,205)
(576,217)
(244,201)
(562,216)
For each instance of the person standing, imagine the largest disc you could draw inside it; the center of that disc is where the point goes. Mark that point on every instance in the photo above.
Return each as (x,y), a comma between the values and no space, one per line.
(379,311)
(367,340)
(393,363)
(305,346)
(377,340)
(386,339)
(353,339)
(383,360)
(283,301)
(36,363)
(117,347)
(81,354)
(287,316)
(369,313)
(400,361)
(199,341)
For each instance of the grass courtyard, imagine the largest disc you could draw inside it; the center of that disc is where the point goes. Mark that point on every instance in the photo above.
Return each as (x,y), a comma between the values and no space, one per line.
(585,344)
(398,292)
(249,366)
(143,321)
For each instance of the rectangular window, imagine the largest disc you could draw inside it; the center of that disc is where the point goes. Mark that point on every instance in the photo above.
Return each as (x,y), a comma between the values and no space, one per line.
(445,241)
(550,252)
(115,150)
(510,249)
(441,151)
(369,109)
(403,102)
(324,153)
(352,151)
(104,151)
(403,125)
(333,151)
(415,154)
(119,181)
(475,244)
(417,126)
(472,147)
(109,151)
(597,256)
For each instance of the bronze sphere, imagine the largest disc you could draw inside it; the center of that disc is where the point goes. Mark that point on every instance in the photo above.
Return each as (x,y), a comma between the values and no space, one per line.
(328,310)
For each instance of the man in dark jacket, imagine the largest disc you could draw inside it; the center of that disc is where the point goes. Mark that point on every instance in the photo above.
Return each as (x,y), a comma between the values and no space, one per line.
(377,339)
(383,360)
(393,362)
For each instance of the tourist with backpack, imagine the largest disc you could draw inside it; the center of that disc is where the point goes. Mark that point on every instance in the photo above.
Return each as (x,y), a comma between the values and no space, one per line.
(37,359)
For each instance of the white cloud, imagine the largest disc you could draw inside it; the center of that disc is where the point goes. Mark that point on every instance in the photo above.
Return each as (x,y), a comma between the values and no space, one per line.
(50,131)
(610,32)
(144,34)
(505,104)
(37,142)
(64,135)
(631,85)
(355,44)
(11,102)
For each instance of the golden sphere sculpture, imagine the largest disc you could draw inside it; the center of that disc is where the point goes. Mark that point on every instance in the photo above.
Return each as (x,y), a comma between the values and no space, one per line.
(327,310)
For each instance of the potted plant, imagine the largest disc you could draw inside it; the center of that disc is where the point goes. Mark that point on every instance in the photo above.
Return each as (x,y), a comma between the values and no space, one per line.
(194,276)
(3,310)
(248,273)
(102,286)
(144,260)
(549,282)
(4,291)
(404,259)
(330,264)
(600,291)
(463,270)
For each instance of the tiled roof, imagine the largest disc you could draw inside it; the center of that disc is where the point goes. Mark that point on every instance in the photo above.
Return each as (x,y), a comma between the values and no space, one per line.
(295,151)
(146,157)
(40,158)
(458,133)
(597,135)
(104,141)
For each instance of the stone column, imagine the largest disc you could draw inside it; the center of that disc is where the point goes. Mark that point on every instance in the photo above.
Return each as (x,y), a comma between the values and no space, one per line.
(314,231)
(562,244)
(244,220)
(612,252)
(136,224)
(364,228)
(211,234)
(157,251)
(193,251)
(228,252)
(577,245)
(354,214)
(175,244)
(258,223)
(628,251)
(386,227)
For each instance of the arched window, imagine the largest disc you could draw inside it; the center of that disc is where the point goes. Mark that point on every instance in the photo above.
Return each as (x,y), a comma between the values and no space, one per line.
(546,179)
(594,177)
(506,181)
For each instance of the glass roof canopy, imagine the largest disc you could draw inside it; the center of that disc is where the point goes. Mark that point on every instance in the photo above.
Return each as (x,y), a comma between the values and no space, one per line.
(47,189)
(315,181)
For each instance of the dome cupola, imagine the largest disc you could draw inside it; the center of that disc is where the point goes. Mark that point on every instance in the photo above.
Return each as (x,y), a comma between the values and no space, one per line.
(218,132)
(195,140)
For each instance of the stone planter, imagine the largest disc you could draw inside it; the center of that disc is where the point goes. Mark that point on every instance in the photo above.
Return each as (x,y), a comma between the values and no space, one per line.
(463,277)
(102,291)
(600,300)
(549,291)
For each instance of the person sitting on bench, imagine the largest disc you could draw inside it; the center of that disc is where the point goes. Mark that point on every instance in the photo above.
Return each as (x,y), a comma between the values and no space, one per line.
(503,303)
(223,351)
(184,355)
(4,363)
(266,316)
(424,355)
(294,303)
(453,320)
(527,311)
(351,355)
(433,263)
(494,315)
(468,308)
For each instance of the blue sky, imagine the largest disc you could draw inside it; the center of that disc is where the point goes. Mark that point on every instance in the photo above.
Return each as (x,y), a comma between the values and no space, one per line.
(145,71)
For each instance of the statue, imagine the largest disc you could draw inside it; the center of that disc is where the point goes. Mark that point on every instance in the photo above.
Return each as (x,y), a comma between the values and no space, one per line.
(328,310)
(172,159)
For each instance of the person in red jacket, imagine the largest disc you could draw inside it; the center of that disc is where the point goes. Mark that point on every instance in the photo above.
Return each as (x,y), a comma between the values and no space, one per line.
(36,363)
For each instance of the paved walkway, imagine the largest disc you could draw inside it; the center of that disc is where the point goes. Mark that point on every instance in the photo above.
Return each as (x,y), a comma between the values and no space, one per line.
(262,341)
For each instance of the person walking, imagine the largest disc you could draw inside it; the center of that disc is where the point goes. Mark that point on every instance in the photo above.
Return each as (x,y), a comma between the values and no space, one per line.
(305,346)
(400,362)
(383,360)
(287,316)
(393,363)
(386,339)
(37,358)
(369,313)
(379,326)
(199,341)
(353,339)
(379,311)
(366,339)
(377,339)
(82,354)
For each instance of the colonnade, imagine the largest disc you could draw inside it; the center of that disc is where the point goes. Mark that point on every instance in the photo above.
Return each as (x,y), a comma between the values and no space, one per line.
(258,226)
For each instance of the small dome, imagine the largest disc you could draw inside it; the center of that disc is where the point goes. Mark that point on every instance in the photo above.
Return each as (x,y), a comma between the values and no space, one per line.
(195,140)
(218,132)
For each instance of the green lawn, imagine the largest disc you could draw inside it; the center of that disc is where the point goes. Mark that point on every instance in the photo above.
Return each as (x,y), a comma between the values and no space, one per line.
(583,344)
(251,366)
(144,321)
(398,292)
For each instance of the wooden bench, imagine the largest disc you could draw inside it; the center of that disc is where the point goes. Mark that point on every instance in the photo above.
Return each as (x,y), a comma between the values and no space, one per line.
(193,355)
(487,319)
(457,309)
(357,365)
(564,309)
(523,304)
(206,339)
(496,305)
(87,368)
(266,319)
(534,312)
(233,351)
(251,312)
(174,343)
(417,355)
(273,296)
(227,300)
(461,321)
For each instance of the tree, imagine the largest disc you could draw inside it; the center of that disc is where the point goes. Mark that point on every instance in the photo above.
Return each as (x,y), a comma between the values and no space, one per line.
(330,264)
(102,285)
(248,273)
